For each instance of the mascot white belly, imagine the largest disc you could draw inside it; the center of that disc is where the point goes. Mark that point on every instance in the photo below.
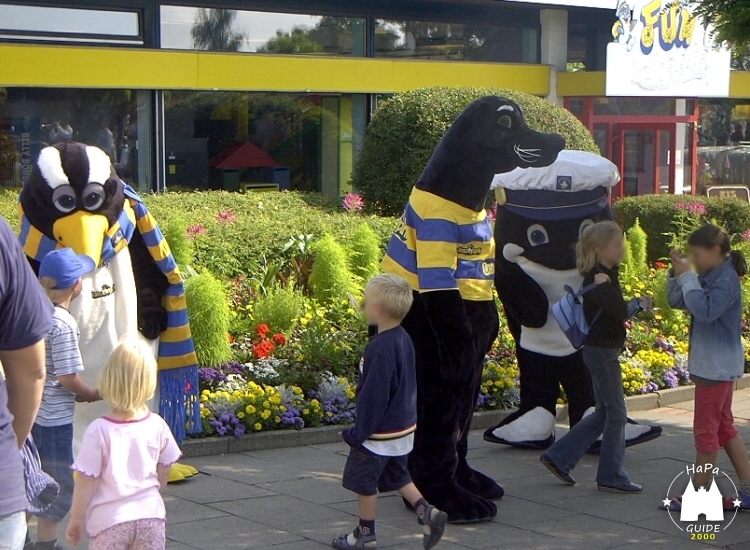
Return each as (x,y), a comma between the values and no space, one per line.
(106,311)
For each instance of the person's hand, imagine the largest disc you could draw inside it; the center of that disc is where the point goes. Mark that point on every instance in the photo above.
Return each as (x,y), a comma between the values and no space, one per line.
(74,532)
(646,303)
(680,263)
(601,278)
(90,397)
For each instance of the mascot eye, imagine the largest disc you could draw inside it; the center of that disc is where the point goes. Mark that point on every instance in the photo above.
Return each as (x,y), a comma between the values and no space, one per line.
(584,225)
(504,121)
(93,196)
(64,199)
(537,235)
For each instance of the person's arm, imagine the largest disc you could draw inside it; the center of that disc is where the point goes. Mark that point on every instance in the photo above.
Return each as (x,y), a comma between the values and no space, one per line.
(706,304)
(170,453)
(82,493)
(674,292)
(75,384)
(24,378)
(606,298)
(162,473)
(372,399)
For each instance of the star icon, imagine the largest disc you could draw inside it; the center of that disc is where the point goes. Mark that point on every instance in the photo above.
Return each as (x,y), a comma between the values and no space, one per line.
(737,503)
(667,502)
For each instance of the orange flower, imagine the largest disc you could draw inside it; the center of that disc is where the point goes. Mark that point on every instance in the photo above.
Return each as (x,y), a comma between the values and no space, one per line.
(262,330)
(279,339)
(264,349)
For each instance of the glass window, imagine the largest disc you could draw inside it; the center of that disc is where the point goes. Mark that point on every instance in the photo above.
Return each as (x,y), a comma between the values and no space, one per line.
(449,41)
(633,106)
(117,121)
(69,24)
(238,141)
(186,28)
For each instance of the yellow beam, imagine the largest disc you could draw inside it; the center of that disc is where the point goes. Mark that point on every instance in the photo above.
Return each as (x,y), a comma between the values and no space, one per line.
(583,83)
(84,67)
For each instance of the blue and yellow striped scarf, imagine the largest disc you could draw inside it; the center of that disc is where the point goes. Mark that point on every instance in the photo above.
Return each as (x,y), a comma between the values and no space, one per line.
(178,364)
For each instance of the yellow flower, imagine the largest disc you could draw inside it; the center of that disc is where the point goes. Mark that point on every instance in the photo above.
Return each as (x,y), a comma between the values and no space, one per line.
(277,419)
(265,415)
(257,427)
(250,409)
(266,405)
(240,415)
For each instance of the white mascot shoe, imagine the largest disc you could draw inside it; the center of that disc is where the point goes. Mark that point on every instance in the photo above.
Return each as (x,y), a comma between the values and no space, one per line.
(533,430)
(635,433)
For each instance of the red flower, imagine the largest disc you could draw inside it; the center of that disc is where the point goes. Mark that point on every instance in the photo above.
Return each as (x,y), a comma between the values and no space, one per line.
(660,265)
(263,349)
(262,330)
(279,339)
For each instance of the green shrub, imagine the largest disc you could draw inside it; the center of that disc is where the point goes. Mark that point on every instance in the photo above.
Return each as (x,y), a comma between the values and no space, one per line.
(264,223)
(658,216)
(406,128)
(626,265)
(364,252)
(330,279)
(175,231)
(209,315)
(638,242)
(278,309)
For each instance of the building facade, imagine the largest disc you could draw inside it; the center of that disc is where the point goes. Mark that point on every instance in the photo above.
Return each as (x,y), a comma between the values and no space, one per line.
(277,94)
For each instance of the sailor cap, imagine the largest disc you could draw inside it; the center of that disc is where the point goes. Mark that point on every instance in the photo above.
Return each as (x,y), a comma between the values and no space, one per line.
(576,184)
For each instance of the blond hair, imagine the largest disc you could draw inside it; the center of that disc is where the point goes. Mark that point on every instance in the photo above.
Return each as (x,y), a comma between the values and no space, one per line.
(55,295)
(594,236)
(392,292)
(129,379)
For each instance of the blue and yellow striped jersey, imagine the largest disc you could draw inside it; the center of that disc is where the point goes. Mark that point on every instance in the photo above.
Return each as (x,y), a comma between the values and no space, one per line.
(440,245)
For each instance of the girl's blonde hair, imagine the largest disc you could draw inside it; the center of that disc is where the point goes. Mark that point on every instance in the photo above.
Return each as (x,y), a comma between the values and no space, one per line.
(55,295)
(594,236)
(129,379)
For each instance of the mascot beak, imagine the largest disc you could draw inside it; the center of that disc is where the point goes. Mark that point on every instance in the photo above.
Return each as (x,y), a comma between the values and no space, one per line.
(83,232)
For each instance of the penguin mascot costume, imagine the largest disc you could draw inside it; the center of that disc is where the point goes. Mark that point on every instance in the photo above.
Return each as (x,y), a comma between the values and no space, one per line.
(541,213)
(75,199)
(444,248)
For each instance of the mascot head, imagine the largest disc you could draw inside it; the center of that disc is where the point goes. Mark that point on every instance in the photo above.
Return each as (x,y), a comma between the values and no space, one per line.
(73,196)
(542,211)
(490,137)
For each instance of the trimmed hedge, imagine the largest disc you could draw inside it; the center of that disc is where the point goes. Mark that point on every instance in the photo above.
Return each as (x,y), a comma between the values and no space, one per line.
(263,224)
(406,128)
(657,213)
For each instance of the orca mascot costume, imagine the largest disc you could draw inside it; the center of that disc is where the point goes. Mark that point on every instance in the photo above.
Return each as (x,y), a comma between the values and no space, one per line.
(444,247)
(541,213)
(75,199)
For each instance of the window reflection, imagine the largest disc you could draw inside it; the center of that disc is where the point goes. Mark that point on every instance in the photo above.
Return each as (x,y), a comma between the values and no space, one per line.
(449,41)
(238,140)
(224,30)
(117,121)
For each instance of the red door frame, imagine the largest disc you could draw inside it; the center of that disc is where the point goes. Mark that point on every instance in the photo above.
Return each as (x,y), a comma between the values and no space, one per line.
(620,144)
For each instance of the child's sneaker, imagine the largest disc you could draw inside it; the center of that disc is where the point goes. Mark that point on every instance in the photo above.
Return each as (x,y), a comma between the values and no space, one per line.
(434,522)
(744,498)
(360,541)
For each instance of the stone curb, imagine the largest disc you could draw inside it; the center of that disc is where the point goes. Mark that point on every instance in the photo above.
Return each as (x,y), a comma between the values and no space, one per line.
(482,420)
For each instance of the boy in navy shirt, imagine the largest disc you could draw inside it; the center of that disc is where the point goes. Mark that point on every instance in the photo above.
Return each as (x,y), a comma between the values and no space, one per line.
(383,435)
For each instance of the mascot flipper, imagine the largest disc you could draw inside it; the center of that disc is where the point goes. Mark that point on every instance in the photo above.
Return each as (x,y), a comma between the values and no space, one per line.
(75,199)
(541,213)
(444,247)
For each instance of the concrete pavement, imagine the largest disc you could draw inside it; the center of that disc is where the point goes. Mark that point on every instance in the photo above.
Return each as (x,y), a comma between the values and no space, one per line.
(288,499)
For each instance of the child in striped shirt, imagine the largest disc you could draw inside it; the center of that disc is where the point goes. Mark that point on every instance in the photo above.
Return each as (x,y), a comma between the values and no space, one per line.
(60,275)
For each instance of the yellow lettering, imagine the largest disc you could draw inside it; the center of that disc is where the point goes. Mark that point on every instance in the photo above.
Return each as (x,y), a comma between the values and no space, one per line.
(669,25)
(650,20)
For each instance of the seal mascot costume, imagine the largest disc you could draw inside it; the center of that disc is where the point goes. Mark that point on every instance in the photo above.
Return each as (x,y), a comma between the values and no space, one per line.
(541,213)
(444,247)
(75,199)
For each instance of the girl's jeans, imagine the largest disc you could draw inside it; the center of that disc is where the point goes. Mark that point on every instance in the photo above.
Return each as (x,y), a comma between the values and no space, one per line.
(609,418)
(13,531)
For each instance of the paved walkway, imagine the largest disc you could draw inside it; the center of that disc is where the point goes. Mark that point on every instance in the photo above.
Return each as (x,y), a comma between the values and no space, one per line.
(292,499)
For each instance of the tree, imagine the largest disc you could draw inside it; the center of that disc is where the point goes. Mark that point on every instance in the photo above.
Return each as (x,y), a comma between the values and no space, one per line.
(213,30)
(731,18)
(298,41)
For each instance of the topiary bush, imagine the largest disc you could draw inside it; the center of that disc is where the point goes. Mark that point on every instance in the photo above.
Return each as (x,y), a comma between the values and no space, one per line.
(657,215)
(638,243)
(209,316)
(175,231)
(406,128)
(330,279)
(278,309)
(364,252)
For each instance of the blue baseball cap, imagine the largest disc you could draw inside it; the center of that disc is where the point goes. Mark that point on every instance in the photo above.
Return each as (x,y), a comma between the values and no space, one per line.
(65,267)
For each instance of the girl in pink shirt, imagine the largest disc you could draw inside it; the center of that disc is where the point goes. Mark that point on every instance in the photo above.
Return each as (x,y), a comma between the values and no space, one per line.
(124,461)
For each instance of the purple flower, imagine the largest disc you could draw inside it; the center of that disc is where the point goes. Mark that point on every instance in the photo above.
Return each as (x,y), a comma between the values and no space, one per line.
(692,208)
(195,230)
(353,202)
(210,377)
(233,367)
(746,235)
(226,217)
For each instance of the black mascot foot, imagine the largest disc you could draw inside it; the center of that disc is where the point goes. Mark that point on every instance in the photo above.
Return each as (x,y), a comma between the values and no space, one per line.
(479,484)
(460,505)
(635,434)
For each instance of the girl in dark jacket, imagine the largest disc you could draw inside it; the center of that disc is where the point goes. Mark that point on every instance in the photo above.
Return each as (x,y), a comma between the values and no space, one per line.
(599,251)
